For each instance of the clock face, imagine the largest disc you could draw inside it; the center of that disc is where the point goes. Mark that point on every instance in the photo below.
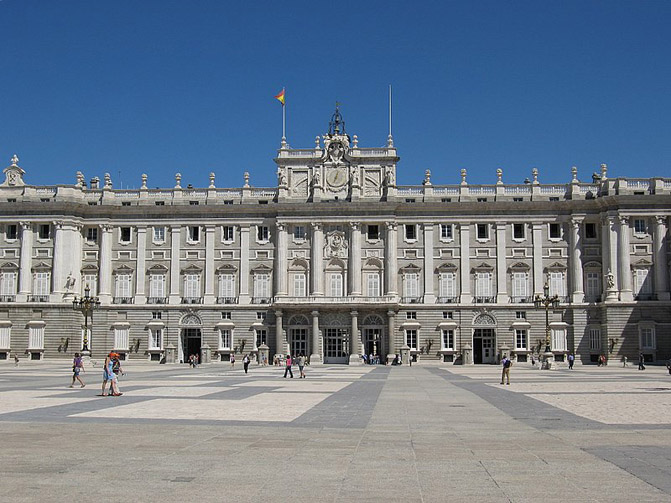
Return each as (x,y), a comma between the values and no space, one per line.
(336,177)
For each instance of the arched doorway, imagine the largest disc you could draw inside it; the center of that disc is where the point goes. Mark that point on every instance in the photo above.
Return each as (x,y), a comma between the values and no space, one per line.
(336,330)
(484,339)
(190,338)
(298,334)
(372,332)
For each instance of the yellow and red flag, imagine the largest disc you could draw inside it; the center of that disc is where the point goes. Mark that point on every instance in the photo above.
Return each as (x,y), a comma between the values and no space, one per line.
(280,97)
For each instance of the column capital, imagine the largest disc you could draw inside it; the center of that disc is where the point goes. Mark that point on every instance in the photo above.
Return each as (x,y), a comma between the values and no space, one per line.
(355,225)
(106,228)
(316,226)
(314,313)
(576,222)
(392,226)
(391,313)
(661,219)
(142,228)
(281,226)
(278,313)
(175,228)
(354,313)
(26,226)
(624,219)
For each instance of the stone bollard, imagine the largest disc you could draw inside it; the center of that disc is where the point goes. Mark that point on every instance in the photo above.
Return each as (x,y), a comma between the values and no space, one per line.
(468,355)
(205,353)
(170,353)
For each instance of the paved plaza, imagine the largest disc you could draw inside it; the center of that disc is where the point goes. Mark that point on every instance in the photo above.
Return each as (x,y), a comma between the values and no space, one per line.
(346,433)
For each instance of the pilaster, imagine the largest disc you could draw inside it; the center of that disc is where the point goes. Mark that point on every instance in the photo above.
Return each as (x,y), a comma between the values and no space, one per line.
(105,279)
(537,239)
(465,265)
(281,261)
(141,268)
(355,259)
(175,235)
(244,297)
(209,298)
(501,283)
(315,356)
(317,259)
(26,265)
(429,289)
(575,256)
(660,261)
(354,340)
(624,262)
(391,265)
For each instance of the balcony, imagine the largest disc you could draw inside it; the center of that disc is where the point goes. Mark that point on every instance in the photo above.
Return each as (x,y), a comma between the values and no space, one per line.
(157,300)
(192,300)
(415,299)
(262,300)
(227,300)
(484,299)
(323,300)
(38,298)
(521,299)
(447,300)
(7,298)
(645,296)
(122,300)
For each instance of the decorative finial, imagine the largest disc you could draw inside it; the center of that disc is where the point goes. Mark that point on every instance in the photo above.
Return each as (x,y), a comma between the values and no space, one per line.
(604,172)
(463,176)
(80,179)
(178,180)
(390,141)
(246,178)
(317,147)
(574,174)
(284,144)
(14,160)
(144,181)
(427,177)
(355,141)
(337,124)
(499,176)
(534,173)
(211,181)
(108,181)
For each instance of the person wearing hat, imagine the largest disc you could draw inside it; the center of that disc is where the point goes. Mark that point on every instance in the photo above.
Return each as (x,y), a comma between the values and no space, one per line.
(109,375)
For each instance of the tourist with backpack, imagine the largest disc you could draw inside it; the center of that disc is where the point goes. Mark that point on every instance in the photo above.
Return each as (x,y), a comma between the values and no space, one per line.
(77,368)
(505,374)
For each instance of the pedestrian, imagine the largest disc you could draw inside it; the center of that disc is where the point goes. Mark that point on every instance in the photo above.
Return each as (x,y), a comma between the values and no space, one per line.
(505,373)
(287,367)
(265,360)
(232,359)
(668,365)
(77,368)
(16,360)
(109,376)
(117,371)
(571,358)
(245,363)
(624,361)
(196,360)
(641,361)
(301,365)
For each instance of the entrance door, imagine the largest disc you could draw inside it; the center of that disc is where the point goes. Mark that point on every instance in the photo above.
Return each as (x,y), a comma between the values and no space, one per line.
(372,338)
(298,343)
(483,346)
(336,345)
(191,341)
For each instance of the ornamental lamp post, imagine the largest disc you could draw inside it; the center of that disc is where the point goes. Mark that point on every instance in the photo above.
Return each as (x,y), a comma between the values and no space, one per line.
(546,301)
(86,305)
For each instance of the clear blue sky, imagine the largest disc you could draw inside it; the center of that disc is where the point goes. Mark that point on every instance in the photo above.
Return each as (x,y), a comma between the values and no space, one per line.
(160,87)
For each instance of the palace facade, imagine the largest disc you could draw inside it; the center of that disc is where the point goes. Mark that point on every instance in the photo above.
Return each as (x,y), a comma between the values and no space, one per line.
(337,261)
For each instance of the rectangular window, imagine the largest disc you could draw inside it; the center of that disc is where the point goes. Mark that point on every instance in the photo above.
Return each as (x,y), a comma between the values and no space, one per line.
(595,339)
(159,203)
(411,338)
(8,284)
(555,231)
(261,337)
(192,286)
(227,286)
(520,315)
(299,284)
(373,232)
(261,315)
(447,286)
(520,282)
(642,283)
(228,233)
(36,338)
(124,234)
(411,315)
(11,232)
(335,284)
(299,232)
(90,280)
(194,233)
(41,283)
(92,234)
(158,235)
(639,226)
(373,284)
(122,286)
(157,286)
(446,231)
(226,315)
(262,286)
(482,231)
(557,286)
(518,231)
(647,338)
(5,337)
(44,231)
(592,286)
(262,233)
(156,315)
(410,232)
(558,339)
(447,340)
(448,315)
(483,285)
(590,230)
(156,338)
(411,285)
(121,338)
(225,338)
(520,339)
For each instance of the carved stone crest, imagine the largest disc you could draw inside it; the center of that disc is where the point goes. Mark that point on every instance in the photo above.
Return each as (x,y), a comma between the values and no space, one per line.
(336,246)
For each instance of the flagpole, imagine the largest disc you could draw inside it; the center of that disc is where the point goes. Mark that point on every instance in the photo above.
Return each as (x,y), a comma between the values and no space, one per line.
(390,138)
(284,122)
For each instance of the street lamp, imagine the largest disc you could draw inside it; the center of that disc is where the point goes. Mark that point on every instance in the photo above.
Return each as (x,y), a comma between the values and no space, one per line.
(86,305)
(547,301)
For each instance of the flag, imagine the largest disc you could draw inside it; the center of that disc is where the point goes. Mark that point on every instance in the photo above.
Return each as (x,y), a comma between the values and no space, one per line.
(280,97)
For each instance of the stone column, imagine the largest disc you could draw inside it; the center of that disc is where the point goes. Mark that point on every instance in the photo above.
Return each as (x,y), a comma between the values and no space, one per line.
(355,259)
(59,272)
(210,297)
(280,345)
(175,236)
(501,283)
(575,257)
(317,259)
(25,273)
(390,336)
(537,238)
(429,288)
(140,267)
(659,259)
(281,261)
(244,264)
(105,279)
(354,339)
(465,266)
(391,265)
(609,257)
(624,254)
(315,356)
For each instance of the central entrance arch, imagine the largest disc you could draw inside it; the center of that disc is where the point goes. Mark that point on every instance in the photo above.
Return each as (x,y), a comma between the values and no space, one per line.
(190,337)
(484,339)
(336,330)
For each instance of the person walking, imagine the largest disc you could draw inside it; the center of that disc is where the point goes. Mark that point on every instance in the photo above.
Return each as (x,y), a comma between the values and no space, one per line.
(77,368)
(16,360)
(641,361)
(571,359)
(232,359)
(287,367)
(109,376)
(245,363)
(505,373)
(301,366)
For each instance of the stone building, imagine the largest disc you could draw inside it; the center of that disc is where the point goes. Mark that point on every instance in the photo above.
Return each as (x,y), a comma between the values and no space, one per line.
(337,261)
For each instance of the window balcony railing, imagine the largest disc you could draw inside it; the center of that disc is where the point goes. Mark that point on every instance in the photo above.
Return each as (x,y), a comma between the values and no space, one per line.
(122,300)
(227,300)
(485,299)
(415,299)
(521,299)
(348,299)
(7,298)
(157,300)
(261,300)
(645,296)
(447,300)
(592,298)
(192,300)
(38,298)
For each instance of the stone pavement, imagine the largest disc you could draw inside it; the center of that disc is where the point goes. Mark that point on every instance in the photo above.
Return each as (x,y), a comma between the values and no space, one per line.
(421,433)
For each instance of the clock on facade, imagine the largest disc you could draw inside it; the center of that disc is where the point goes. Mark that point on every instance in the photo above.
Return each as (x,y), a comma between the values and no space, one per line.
(336,177)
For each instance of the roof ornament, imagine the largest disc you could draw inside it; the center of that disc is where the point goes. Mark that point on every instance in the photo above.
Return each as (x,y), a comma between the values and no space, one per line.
(337,124)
